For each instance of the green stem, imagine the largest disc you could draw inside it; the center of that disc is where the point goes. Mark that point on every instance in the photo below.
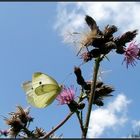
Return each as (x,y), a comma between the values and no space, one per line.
(92,95)
(58,126)
(80,121)
(28,132)
(80,97)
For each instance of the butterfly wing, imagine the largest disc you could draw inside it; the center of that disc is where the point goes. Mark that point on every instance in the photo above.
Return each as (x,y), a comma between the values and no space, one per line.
(44,84)
(27,87)
(42,91)
(44,100)
(47,88)
(39,101)
(39,78)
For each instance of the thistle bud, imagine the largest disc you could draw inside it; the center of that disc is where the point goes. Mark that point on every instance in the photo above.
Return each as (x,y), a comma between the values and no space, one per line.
(109,30)
(101,91)
(99,84)
(105,90)
(81,106)
(120,50)
(73,106)
(80,79)
(98,102)
(91,22)
(127,37)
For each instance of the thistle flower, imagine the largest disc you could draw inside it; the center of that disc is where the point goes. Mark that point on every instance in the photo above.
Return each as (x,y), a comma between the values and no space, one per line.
(94,37)
(14,121)
(131,54)
(22,115)
(88,38)
(18,121)
(4,132)
(39,132)
(66,96)
(87,56)
(15,125)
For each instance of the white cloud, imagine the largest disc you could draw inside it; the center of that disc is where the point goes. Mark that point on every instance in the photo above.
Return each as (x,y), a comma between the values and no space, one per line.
(135,124)
(111,117)
(70,16)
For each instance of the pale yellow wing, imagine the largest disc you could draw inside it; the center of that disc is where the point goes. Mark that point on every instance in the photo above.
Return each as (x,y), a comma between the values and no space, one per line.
(39,78)
(42,100)
(47,88)
(27,87)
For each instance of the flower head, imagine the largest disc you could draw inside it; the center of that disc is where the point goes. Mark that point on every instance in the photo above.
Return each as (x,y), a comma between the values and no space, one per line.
(15,125)
(131,54)
(66,96)
(86,56)
(4,132)
(39,132)
(22,115)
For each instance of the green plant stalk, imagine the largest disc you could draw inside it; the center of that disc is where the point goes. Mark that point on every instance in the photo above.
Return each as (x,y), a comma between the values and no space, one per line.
(92,95)
(80,121)
(28,132)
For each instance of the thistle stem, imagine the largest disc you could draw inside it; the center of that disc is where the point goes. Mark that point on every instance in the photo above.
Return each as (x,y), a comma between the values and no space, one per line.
(92,95)
(80,121)
(58,126)
(28,132)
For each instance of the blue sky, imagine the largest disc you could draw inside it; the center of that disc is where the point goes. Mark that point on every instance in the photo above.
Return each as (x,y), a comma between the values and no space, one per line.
(32,39)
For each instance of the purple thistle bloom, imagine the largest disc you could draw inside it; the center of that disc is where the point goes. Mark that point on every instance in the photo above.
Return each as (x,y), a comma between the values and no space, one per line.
(4,132)
(131,54)
(66,96)
(86,56)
